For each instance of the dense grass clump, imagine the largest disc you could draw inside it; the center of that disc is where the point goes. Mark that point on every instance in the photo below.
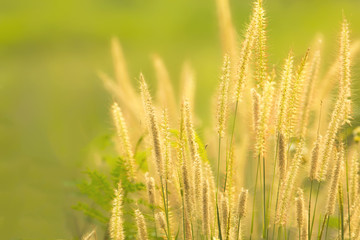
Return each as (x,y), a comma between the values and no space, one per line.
(276,164)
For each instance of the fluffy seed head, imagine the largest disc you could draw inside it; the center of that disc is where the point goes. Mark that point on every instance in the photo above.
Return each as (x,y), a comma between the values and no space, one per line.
(150,186)
(314,160)
(160,219)
(152,125)
(334,183)
(123,135)
(300,208)
(243,197)
(246,50)
(206,214)
(282,157)
(354,177)
(285,91)
(223,97)
(287,186)
(141,225)
(116,222)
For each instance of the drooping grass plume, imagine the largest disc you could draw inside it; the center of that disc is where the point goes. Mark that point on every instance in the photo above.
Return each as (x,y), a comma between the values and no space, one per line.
(188,85)
(165,92)
(179,174)
(121,73)
(122,132)
(116,227)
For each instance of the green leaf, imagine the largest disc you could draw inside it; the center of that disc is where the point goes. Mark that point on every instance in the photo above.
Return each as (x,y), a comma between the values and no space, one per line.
(91,212)
(98,189)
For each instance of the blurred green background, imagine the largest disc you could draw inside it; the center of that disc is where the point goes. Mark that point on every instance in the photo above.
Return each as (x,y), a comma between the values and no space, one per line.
(53,105)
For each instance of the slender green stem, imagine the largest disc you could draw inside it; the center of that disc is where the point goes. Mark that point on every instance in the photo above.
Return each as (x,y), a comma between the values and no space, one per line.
(218,220)
(165,208)
(279,233)
(323,226)
(274,170)
(341,204)
(217,187)
(327,227)
(276,206)
(153,211)
(238,229)
(314,212)
(347,191)
(309,212)
(264,199)
(253,210)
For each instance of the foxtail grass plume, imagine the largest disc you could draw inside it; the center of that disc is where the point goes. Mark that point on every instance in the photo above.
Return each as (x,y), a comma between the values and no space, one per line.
(116,227)
(300,211)
(261,75)
(297,84)
(287,186)
(121,74)
(334,183)
(340,113)
(160,219)
(315,159)
(206,209)
(312,73)
(264,115)
(282,157)
(224,214)
(188,84)
(165,134)
(141,225)
(354,177)
(194,155)
(222,106)
(242,204)
(150,186)
(246,50)
(165,92)
(152,126)
(256,106)
(123,135)
(285,91)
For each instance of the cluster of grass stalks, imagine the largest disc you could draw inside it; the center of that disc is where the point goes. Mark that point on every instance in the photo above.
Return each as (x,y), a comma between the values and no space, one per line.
(279,162)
